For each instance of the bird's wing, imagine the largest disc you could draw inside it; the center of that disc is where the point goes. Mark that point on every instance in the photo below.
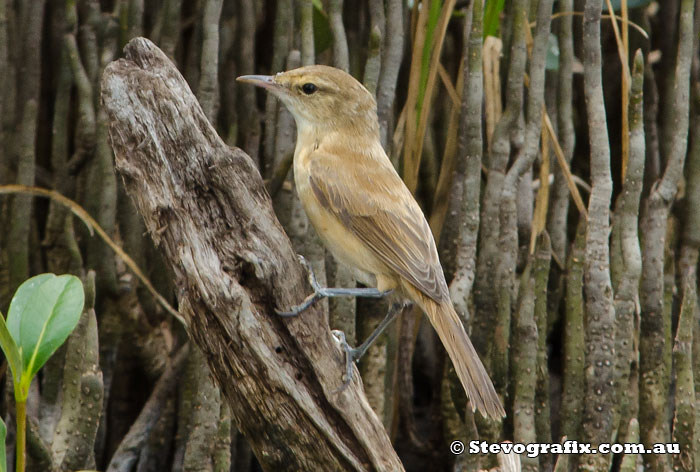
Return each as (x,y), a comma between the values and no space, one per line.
(371,200)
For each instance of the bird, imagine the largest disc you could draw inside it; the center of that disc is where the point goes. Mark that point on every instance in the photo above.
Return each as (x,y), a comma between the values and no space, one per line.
(364,213)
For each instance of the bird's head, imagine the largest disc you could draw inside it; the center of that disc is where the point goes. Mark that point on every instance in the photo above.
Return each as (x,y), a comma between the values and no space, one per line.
(322,98)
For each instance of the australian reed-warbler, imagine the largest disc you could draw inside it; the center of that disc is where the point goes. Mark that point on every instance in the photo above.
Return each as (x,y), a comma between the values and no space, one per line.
(363,212)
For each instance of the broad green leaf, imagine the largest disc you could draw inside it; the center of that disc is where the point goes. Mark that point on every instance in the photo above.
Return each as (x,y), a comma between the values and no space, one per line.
(492,17)
(42,314)
(3,456)
(9,347)
(22,296)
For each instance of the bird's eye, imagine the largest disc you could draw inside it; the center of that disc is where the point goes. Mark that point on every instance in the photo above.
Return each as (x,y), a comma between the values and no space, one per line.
(308,88)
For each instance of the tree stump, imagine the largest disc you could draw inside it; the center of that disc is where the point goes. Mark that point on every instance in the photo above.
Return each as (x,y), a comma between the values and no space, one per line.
(207,210)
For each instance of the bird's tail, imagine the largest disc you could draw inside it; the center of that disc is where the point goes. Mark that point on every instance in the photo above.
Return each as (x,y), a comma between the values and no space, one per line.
(470,370)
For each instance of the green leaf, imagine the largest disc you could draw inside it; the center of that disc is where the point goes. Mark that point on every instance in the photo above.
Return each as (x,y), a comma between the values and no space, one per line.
(492,17)
(43,312)
(3,456)
(9,347)
(20,299)
(323,37)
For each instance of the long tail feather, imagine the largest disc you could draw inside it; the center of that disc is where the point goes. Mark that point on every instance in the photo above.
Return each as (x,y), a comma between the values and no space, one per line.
(469,368)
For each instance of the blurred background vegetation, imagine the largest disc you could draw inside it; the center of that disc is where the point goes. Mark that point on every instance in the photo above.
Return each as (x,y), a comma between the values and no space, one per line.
(559,169)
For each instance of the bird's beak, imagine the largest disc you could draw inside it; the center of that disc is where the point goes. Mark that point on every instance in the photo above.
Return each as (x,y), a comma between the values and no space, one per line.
(264,81)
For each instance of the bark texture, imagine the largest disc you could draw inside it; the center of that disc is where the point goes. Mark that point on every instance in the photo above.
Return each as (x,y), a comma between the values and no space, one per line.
(207,210)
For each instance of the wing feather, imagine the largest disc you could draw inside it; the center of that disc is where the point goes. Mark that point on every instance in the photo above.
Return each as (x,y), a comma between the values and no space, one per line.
(371,200)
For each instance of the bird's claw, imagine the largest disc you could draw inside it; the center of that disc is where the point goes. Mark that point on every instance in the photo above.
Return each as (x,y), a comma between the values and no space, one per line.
(312,277)
(324,292)
(296,309)
(319,292)
(350,357)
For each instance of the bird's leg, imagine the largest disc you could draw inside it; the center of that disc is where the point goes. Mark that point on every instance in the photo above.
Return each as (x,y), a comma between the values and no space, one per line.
(354,354)
(326,292)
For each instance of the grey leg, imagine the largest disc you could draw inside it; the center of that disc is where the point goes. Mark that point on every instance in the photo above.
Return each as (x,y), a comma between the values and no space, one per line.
(324,292)
(354,354)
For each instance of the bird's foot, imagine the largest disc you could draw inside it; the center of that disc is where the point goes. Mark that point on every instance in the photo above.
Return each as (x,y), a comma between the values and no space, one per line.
(351,355)
(324,292)
(319,292)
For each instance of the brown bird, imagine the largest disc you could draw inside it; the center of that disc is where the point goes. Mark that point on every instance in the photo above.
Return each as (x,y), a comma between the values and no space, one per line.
(364,213)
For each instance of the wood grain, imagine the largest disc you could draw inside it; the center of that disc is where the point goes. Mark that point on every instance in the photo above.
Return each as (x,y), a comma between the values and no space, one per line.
(207,210)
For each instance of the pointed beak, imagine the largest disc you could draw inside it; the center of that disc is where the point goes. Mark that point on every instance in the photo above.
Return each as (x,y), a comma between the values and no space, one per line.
(264,81)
